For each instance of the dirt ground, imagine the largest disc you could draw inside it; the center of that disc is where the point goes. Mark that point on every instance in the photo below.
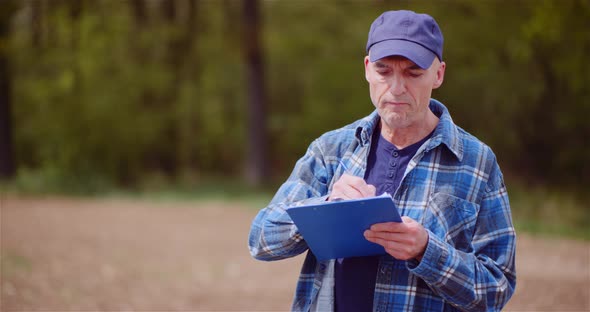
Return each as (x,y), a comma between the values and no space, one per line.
(61,254)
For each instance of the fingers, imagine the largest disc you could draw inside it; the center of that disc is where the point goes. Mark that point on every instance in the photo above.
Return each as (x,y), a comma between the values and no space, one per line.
(403,240)
(395,235)
(351,187)
(400,251)
(356,187)
(395,227)
(391,227)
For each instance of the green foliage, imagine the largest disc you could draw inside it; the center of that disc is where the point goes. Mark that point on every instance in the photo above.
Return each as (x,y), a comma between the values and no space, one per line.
(540,209)
(79,107)
(107,97)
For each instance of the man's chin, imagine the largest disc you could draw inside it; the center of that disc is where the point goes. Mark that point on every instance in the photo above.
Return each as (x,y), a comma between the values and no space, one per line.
(395,120)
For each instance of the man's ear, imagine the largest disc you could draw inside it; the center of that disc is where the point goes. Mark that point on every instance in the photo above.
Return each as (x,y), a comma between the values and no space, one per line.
(367,62)
(440,75)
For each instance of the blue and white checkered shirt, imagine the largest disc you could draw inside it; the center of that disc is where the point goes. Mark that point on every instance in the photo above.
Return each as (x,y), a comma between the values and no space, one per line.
(453,186)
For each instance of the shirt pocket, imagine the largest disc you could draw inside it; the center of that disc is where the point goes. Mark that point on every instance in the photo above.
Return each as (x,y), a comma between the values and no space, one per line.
(451,218)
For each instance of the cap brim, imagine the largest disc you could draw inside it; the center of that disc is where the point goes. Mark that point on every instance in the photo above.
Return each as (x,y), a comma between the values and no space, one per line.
(408,49)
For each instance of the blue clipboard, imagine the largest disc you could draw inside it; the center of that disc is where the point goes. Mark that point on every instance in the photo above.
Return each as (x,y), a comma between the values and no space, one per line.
(335,229)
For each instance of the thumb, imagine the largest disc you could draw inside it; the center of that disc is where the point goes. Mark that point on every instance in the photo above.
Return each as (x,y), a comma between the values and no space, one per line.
(372,190)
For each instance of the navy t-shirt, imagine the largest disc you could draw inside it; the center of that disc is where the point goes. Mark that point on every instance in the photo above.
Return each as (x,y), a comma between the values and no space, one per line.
(355,277)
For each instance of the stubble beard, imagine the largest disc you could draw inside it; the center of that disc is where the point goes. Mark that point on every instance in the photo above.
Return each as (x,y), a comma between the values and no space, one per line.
(395,119)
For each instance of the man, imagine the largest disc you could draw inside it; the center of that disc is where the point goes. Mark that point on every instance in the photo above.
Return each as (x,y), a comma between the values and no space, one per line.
(455,248)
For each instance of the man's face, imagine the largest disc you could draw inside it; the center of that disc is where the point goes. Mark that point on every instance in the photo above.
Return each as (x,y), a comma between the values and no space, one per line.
(400,90)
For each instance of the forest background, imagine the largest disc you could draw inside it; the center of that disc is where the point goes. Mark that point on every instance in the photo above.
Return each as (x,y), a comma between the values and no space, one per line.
(222,97)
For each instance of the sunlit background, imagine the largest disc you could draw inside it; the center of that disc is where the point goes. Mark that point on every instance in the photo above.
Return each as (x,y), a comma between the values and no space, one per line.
(138,139)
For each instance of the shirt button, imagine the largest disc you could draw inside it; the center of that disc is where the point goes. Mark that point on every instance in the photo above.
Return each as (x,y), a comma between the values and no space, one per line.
(392,163)
(390,174)
(395,154)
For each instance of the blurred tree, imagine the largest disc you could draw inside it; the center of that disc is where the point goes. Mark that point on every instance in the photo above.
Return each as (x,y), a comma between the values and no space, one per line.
(7,164)
(139,11)
(188,76)
(37,22)
(123,91)
(184,68)
(560,134)
(256,158)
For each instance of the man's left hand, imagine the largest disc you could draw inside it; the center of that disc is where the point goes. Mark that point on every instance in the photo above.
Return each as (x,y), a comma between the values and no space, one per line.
(403,240)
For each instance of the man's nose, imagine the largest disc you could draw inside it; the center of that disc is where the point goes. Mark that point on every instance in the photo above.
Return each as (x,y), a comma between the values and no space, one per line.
(397,85)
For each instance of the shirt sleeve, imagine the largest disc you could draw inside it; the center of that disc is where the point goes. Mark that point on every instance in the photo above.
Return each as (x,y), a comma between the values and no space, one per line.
(483,279)
(273,235)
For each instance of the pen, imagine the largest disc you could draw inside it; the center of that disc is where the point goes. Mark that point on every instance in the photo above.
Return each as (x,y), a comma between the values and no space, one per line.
(343,166)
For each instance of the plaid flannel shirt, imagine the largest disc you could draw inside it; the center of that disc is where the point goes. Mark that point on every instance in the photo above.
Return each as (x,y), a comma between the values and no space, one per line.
(453,186)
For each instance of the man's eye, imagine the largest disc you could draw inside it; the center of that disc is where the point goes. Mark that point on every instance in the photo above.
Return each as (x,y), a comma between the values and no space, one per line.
(414,74)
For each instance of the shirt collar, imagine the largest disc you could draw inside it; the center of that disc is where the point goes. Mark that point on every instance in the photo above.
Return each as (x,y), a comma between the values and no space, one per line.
(446,132)
(366,127)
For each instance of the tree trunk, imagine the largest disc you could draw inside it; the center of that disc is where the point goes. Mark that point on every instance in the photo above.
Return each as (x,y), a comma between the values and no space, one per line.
(168,8)
(37,10)
(7,165)
(256,164)
(139,12)
(186,67)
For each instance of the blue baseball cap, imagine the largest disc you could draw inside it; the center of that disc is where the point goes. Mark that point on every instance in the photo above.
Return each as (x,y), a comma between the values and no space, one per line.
(414,36)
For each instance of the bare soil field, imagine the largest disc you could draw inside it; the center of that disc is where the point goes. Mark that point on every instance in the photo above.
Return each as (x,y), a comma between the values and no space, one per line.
(63,254)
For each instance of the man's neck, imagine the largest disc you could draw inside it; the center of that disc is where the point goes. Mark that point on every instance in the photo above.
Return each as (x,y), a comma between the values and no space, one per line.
(404,137)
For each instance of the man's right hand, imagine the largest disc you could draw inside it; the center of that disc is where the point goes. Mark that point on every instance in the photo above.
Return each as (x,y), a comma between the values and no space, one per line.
(351,187)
